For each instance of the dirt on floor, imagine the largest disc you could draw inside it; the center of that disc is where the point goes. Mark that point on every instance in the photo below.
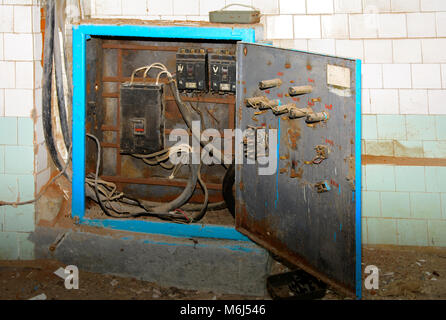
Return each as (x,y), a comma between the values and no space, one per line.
(404,273)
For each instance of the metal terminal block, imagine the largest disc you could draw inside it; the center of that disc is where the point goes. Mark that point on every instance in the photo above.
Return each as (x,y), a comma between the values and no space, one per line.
(317,117)
(278,110)
(296,113)
(322,187)
(294,91)
(266,84)
(261,103)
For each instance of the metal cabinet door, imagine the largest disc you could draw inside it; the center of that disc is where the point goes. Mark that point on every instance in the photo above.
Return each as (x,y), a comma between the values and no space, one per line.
(319,232)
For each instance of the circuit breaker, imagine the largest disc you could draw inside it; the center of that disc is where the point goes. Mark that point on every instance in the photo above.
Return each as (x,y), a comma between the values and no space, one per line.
(222,69)
(142,118)
(191,69)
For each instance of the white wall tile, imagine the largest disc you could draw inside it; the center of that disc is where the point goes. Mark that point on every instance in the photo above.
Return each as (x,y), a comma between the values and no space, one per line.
(434,50)
(441,24)
(18,102)
(443,76)
(39,134)
(436,102)
(384,101)
(174,18)
(413,101)
(279,27)
(376,6)
(307,27)
(2,102)
(18,46)
(234,2)
(41,158)
(24,75)
(320,6)
(36,15)
(108,7)
(1,46)
(197,18)
(207,6)
(266,6)
(7,71)
(7,19)
(38,101)
(407,51)
(350,48)
(134,8)
(372,76)
(38,72)
(365,103)
(22,19)
(392,26)
(421,25)
(378,51)
(405,5)
(292,6)
(38,46)
(324,46)
(433,5)
(426,76)
(363,26)
(397,76)
(335,26)
(348,6)
(163,7)
(186,7)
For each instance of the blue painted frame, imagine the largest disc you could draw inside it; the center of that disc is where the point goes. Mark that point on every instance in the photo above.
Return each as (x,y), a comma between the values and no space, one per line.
(81,34)
(358,178)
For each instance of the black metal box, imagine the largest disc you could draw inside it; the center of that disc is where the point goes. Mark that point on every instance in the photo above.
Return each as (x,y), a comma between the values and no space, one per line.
(191,69)
(142,118)
(222,69)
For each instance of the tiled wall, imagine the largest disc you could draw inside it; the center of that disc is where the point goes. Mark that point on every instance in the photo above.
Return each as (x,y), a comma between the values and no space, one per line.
(402,44)
(20,83)
(403,47)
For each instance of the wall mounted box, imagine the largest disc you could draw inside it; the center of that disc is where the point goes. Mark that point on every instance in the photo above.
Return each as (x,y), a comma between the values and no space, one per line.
(289,219)
(142,118)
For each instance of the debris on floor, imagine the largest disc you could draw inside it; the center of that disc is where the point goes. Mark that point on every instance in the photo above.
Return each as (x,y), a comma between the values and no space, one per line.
(404,273)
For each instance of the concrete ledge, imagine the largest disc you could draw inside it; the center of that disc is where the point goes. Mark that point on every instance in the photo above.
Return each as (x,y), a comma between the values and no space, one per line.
(221,266)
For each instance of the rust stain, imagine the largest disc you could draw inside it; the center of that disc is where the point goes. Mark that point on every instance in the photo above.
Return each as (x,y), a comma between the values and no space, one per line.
(269,63)
(280,74)
(287,65)
(309,67)
(283,170)
(241,186)
(297,174)
(293,136)
(404,161)
(285,157)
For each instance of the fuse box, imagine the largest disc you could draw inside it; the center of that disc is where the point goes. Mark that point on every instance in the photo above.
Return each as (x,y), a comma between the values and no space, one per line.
(191,69)
(142,118)
(222,68)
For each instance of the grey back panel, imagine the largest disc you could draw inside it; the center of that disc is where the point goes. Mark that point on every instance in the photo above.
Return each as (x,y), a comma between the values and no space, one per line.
(284,212)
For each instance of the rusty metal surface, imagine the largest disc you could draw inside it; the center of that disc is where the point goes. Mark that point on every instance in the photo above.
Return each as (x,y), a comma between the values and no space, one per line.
(283,212)
(110,63)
